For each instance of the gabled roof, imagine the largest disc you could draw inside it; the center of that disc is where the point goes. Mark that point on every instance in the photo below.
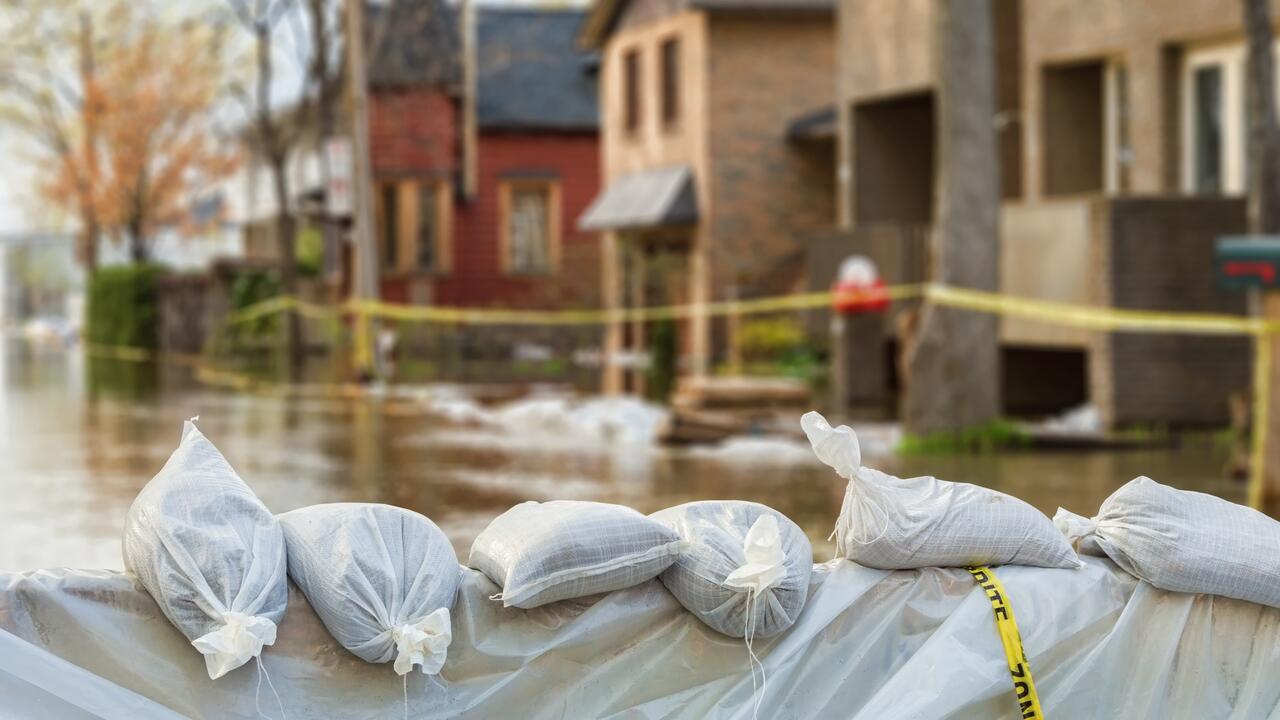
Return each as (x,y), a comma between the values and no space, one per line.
(415,43)
(530,72)
(603,15)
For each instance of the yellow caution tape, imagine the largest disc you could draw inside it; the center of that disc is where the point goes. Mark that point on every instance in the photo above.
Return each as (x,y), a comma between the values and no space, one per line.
(1083,316)
(1024,686)
(1058,313)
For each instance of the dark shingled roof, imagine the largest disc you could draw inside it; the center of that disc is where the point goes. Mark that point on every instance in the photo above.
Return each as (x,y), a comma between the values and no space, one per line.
(414,43)
(531,74)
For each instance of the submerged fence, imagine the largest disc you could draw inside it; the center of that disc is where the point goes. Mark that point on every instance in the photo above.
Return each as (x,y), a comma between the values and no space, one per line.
(359,315)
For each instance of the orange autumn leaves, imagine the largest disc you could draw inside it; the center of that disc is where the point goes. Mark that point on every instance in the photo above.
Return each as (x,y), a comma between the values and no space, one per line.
(147,149)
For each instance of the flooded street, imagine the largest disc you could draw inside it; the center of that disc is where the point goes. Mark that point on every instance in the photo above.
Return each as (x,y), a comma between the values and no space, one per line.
(77,447)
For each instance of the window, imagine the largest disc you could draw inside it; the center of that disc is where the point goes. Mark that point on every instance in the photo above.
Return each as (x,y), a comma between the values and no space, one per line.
(390,225)
(670,82)
(530,230)
(631,90)
(1119,157)
(1074,127)
(1215,120)
(428,233)
(1207,133)
(413,225)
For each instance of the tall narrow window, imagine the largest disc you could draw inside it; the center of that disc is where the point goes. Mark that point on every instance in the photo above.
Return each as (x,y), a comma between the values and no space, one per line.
(670,82)
(530,236)
(530,226)
(1207,147)
(428,228)
(631,88)
(1119,151)
(390,226)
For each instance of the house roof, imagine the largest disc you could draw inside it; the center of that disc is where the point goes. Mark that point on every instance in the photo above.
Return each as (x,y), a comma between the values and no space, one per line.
(414,43)
(530,73)
(603,15)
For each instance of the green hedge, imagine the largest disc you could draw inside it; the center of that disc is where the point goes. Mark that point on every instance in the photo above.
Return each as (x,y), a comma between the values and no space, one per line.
(123,306)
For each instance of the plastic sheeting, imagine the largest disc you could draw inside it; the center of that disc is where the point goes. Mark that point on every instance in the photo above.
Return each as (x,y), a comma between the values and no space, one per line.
(870,644)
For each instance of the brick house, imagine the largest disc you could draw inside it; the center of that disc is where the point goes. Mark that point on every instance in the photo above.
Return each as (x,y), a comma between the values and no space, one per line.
(477,183)
(716,167)
(1122,140)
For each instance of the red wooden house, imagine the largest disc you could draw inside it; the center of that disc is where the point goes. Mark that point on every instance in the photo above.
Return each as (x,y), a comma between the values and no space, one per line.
(485,151)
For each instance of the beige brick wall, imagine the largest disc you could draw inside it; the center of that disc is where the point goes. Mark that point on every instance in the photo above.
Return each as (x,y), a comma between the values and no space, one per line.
(886,50)
(767,193)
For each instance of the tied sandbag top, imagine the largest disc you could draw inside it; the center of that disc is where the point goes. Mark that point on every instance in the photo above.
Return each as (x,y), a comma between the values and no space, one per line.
(210,553)
(381,578)
(894,523)
(1183,541)
(745,570)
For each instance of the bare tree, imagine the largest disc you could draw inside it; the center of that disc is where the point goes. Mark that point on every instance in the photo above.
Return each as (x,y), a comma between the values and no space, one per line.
(48,91)
(953,361)
(326,76)
(273,136)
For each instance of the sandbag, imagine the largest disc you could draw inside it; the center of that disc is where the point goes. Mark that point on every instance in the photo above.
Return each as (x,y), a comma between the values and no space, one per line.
(539,553)
(897,524)
(210,553)
(382,579)
(1183,541)
(739,555)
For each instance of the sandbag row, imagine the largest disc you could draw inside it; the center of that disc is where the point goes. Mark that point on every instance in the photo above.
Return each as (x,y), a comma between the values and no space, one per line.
(383,580)
(1174,539)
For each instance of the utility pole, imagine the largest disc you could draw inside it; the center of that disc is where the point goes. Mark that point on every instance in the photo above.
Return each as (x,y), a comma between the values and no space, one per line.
(1264,219)
(953,361)
(365,285)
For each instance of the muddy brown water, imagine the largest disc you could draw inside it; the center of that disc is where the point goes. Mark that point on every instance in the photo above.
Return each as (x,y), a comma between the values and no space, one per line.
(79,439)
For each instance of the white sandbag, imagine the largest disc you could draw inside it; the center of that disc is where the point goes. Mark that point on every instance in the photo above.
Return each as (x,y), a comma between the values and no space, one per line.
(1183,541)
(896,524)
(210,553)
(740,555)
(543,552)
(382,579)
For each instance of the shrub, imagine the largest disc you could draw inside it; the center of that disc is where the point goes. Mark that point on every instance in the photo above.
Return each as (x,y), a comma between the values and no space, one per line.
(123,306)
(250,287)
(988,437)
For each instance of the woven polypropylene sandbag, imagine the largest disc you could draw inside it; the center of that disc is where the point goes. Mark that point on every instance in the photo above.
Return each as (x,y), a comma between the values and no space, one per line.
(210,553)
(895,524)
(707,578)
(381,578)
(543,552)
(1183,541)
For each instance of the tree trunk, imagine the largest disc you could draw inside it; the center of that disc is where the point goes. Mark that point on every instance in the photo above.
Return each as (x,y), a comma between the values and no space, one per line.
(137,242)
(954,360)
(1264,206)
(88,109)
(288,267)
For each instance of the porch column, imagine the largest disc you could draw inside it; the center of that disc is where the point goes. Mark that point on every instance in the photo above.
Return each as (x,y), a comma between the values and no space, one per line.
(611,280)
(635,272)
(699,296)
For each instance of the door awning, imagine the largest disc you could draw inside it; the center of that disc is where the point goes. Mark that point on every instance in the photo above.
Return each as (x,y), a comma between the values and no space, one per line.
(649,198)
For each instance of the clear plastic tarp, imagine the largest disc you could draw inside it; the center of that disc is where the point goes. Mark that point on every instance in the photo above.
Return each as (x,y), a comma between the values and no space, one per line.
(869,644)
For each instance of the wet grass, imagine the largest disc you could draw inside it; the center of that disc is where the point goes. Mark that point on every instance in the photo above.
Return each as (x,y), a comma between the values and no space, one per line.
(989,437)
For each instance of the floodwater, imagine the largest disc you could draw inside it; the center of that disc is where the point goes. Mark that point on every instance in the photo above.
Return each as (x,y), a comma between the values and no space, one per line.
(78,439)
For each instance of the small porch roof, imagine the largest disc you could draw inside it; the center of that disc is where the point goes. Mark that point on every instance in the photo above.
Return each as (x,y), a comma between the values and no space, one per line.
(648,198)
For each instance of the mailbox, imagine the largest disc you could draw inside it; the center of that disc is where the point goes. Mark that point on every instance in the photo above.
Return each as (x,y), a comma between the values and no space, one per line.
(1244,262)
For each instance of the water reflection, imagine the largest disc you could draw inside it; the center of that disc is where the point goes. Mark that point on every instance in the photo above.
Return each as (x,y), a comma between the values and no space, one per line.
(80,439)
